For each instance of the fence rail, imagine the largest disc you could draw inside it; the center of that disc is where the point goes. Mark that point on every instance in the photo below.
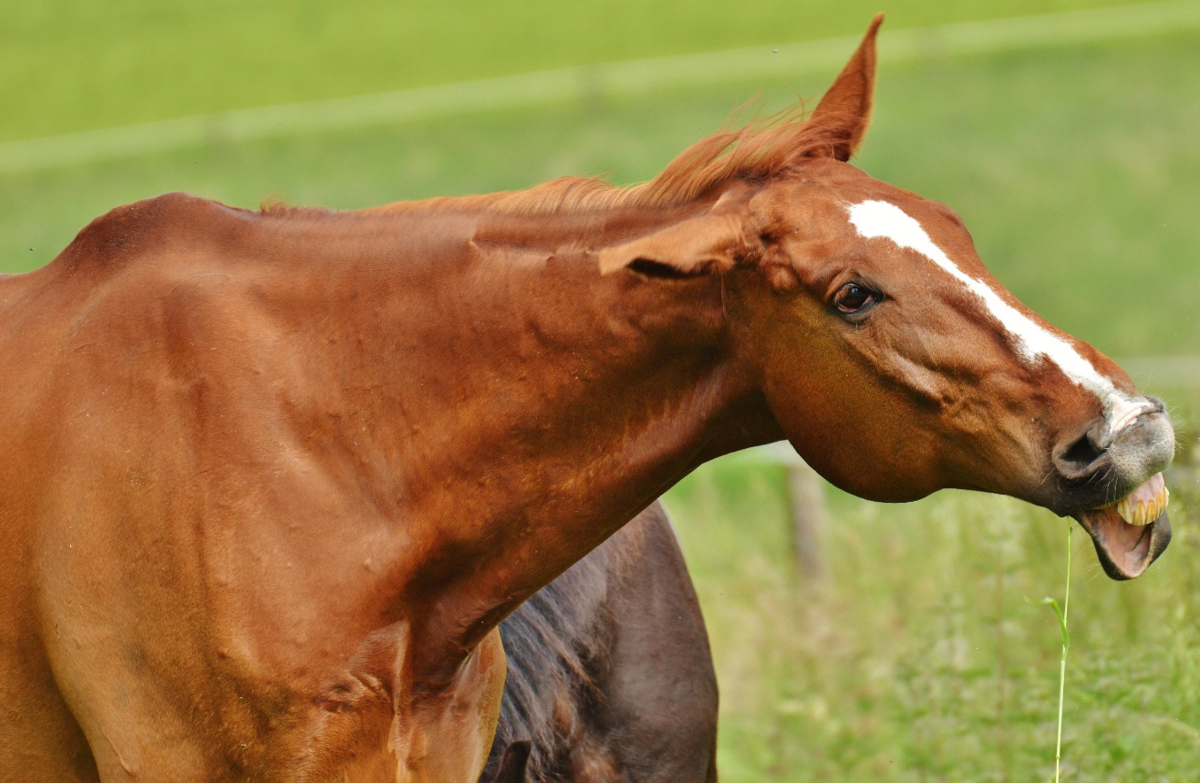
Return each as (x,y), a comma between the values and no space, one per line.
(637,77)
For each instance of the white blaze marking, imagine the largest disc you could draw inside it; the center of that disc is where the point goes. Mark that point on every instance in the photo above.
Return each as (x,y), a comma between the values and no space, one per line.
(874,219)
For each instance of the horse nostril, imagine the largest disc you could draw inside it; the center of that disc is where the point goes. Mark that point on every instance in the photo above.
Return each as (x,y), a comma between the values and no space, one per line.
(1076,460)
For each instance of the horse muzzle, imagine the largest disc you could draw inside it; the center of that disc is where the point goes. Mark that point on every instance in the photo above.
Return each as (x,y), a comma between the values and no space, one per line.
(1110,480)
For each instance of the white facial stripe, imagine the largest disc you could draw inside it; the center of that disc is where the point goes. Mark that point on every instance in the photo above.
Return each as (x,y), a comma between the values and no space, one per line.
(873,219)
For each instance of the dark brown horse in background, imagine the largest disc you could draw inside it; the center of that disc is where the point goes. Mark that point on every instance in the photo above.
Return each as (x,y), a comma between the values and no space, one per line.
(273,480)
(609,671)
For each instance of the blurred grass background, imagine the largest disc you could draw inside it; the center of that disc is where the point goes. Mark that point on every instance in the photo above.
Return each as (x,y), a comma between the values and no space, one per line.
(923,655)
(71,65)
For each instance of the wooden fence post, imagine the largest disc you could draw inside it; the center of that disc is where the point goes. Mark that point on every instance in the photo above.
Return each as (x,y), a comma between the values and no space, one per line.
(806,508)
(807,513)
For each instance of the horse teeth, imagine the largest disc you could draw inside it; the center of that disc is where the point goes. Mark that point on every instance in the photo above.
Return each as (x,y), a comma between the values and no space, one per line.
(1143,512)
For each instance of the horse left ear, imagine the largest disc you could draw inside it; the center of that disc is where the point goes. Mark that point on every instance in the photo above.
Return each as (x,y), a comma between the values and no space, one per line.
(512,766)
(845,111)
(711,242)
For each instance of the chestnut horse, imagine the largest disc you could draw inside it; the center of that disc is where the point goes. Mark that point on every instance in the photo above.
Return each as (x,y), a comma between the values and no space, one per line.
(271,481)
(609,670)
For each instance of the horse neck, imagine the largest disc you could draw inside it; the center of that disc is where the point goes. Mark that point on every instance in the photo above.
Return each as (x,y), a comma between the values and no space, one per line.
(537,406)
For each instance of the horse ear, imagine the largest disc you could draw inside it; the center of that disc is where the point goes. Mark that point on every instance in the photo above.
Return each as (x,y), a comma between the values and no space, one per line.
(512,766)
(845,111)
(709,243)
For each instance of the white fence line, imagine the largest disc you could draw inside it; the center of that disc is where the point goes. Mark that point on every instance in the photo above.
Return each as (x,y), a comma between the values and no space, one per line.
(637,77)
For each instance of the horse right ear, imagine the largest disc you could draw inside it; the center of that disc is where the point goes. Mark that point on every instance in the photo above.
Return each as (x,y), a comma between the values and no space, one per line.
(844,112)
(512,766)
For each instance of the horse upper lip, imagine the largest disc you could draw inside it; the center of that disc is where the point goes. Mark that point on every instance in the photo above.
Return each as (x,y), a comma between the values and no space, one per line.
(1126,415)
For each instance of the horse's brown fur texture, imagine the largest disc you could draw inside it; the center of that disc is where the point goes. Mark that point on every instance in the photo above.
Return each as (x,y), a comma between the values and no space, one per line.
(272,480)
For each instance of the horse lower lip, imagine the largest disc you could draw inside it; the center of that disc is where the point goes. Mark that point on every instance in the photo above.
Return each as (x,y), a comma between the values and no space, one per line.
(1127,534)
(1125,550)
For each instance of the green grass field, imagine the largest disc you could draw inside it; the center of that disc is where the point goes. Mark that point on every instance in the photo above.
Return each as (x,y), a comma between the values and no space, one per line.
(924,656)
(69,65)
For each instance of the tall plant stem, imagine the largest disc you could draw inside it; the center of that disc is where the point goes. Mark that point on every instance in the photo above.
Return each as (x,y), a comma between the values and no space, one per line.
(1062,670)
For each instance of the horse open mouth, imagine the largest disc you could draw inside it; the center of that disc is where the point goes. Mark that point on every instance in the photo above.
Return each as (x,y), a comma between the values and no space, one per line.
(1131,533)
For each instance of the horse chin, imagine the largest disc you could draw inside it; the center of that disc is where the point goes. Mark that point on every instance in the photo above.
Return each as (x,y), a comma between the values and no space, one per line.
(1125,551)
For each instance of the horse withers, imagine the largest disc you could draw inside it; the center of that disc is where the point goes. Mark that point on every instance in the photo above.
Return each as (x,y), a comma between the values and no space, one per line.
(273,479)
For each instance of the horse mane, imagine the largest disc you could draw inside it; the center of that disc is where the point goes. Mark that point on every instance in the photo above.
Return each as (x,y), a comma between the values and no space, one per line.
(759,151)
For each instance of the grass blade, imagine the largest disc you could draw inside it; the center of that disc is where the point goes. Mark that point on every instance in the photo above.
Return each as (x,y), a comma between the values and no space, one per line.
(1066,645)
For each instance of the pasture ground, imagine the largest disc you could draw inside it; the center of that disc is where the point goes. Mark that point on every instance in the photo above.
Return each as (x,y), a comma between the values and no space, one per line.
(924,656)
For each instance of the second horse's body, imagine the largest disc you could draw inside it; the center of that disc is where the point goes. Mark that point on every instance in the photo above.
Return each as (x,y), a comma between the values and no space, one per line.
(609,671)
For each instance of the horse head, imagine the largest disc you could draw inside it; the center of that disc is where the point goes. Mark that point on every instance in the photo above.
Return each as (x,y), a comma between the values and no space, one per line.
(889,356)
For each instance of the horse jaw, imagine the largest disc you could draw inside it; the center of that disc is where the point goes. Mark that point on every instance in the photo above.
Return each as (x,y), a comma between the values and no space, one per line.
(1126,542)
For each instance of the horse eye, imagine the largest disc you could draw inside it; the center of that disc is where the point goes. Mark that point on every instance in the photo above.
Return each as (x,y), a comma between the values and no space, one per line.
(853,297)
